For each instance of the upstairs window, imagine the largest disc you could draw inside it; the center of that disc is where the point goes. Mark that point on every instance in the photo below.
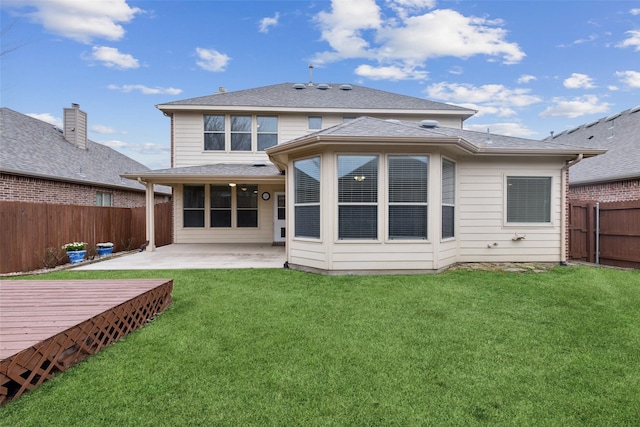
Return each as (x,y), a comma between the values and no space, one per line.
(448,198)
(267,132)
(306,180)
(358,197)
(240,133)
(408,197)
(528,199)
(315,122)
(214,133)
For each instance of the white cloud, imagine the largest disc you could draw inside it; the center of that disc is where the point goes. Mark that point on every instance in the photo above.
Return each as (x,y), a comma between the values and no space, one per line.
(580,106)
(146,90)
(101,129)
(526,78)
(635,11)
(578,81)
(48,118)
(490,94)
(632,41)
(629,78)
(212,60)
(485,110)
(82,21)
(390,73)
(410,40)
(508,129)
(456,70)
(112,58)
(266,23)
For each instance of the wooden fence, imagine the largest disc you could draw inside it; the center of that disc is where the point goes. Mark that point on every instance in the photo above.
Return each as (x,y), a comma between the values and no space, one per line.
(609,235)
(31,234)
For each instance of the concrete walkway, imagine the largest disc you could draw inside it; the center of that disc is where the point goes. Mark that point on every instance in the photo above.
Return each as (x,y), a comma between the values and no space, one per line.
(192,256)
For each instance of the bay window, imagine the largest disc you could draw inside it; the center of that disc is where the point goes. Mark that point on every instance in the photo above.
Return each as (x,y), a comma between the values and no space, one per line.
(306,180)
(408,197)
(358,197)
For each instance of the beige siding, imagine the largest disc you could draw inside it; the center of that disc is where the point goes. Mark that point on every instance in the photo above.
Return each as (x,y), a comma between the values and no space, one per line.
(483,233)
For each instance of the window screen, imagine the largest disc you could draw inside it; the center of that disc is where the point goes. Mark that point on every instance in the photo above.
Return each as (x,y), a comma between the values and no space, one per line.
(357,197)
(240,133)
(408,197)
(448,198)
(214,133)
(247,201)
(220,206)
(307,197)
(193,206)
(528,199)
(267,132)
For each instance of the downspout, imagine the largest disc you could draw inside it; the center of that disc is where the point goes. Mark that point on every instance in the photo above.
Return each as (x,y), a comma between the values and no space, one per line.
(563,222)
(150,232)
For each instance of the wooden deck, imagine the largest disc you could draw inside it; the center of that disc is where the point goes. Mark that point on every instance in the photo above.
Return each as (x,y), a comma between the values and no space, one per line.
(46,326)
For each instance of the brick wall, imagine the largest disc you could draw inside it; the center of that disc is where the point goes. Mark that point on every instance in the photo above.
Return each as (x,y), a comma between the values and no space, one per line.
(15,188)
(619,191)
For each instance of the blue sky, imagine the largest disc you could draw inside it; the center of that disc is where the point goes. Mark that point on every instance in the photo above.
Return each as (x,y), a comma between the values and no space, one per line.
(528,67)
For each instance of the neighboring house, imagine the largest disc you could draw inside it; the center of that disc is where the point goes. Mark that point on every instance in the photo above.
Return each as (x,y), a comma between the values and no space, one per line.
(357,180)
(611,177)
(40,163)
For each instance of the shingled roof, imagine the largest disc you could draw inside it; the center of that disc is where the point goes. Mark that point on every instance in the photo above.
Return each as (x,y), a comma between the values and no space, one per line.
(369,128)
(618,133)
(31,147)
(333,96)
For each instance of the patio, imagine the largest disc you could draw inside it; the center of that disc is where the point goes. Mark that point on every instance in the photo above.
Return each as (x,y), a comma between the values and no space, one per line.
(193,256)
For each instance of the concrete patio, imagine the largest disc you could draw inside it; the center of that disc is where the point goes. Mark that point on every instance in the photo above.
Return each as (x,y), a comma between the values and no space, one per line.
(193,256)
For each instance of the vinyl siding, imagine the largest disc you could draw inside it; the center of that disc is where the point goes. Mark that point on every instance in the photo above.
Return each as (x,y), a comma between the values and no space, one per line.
(483,234)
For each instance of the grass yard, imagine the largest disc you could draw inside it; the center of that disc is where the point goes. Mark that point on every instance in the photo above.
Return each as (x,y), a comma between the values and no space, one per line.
(280,347)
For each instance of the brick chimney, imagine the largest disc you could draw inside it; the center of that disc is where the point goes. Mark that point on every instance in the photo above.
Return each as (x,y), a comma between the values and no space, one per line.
(75,126)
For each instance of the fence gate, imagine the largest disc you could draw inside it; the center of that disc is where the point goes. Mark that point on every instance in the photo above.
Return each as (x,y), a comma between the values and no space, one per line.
(609,230)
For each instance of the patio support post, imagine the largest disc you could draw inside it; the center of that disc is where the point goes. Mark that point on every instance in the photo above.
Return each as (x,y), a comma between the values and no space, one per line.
(150,216)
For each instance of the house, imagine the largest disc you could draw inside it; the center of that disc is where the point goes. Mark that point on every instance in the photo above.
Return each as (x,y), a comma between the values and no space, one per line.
(357,180)
(41,163)
(615,175)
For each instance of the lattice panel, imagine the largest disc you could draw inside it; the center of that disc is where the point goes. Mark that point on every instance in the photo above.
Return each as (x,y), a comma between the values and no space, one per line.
(31,367)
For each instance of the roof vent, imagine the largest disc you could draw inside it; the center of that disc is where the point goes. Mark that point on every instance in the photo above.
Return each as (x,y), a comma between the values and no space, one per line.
(573,130)
(613,116)
(392,120)
(429,124)
(259,165)
(323,86)
(635,109)
(346,87)
(593,123)
(299,86)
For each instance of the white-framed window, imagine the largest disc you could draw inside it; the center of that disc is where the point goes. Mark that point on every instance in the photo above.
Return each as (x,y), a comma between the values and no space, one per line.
(240,133)
(528,199)
(104,199)
(229,133)
(193,206)
(214,132)
(408,195)
(306,181)
(314,122)
(448,198)
(358,197)
(267,132)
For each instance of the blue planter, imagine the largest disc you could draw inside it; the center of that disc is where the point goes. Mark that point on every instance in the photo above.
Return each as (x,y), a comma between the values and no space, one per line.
(76,256)
(104,251)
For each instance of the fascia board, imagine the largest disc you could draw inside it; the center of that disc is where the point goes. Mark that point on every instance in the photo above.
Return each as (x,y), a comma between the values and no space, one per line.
(360,111)
(179,178)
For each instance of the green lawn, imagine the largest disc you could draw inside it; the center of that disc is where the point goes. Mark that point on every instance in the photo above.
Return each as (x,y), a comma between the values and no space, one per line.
(280,347)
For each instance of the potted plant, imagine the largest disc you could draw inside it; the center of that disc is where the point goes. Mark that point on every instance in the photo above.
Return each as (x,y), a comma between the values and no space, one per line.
(104,249)
(76,251)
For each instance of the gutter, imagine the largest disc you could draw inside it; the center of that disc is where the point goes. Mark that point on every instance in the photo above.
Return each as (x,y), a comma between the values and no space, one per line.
(563,222)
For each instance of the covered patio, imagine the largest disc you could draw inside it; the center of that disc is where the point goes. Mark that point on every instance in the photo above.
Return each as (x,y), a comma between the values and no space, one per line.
(194,256)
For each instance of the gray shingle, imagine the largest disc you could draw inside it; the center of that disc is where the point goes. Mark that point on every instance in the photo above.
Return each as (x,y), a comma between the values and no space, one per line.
(619,134)
(285,96)
(32,147)
(220,170)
